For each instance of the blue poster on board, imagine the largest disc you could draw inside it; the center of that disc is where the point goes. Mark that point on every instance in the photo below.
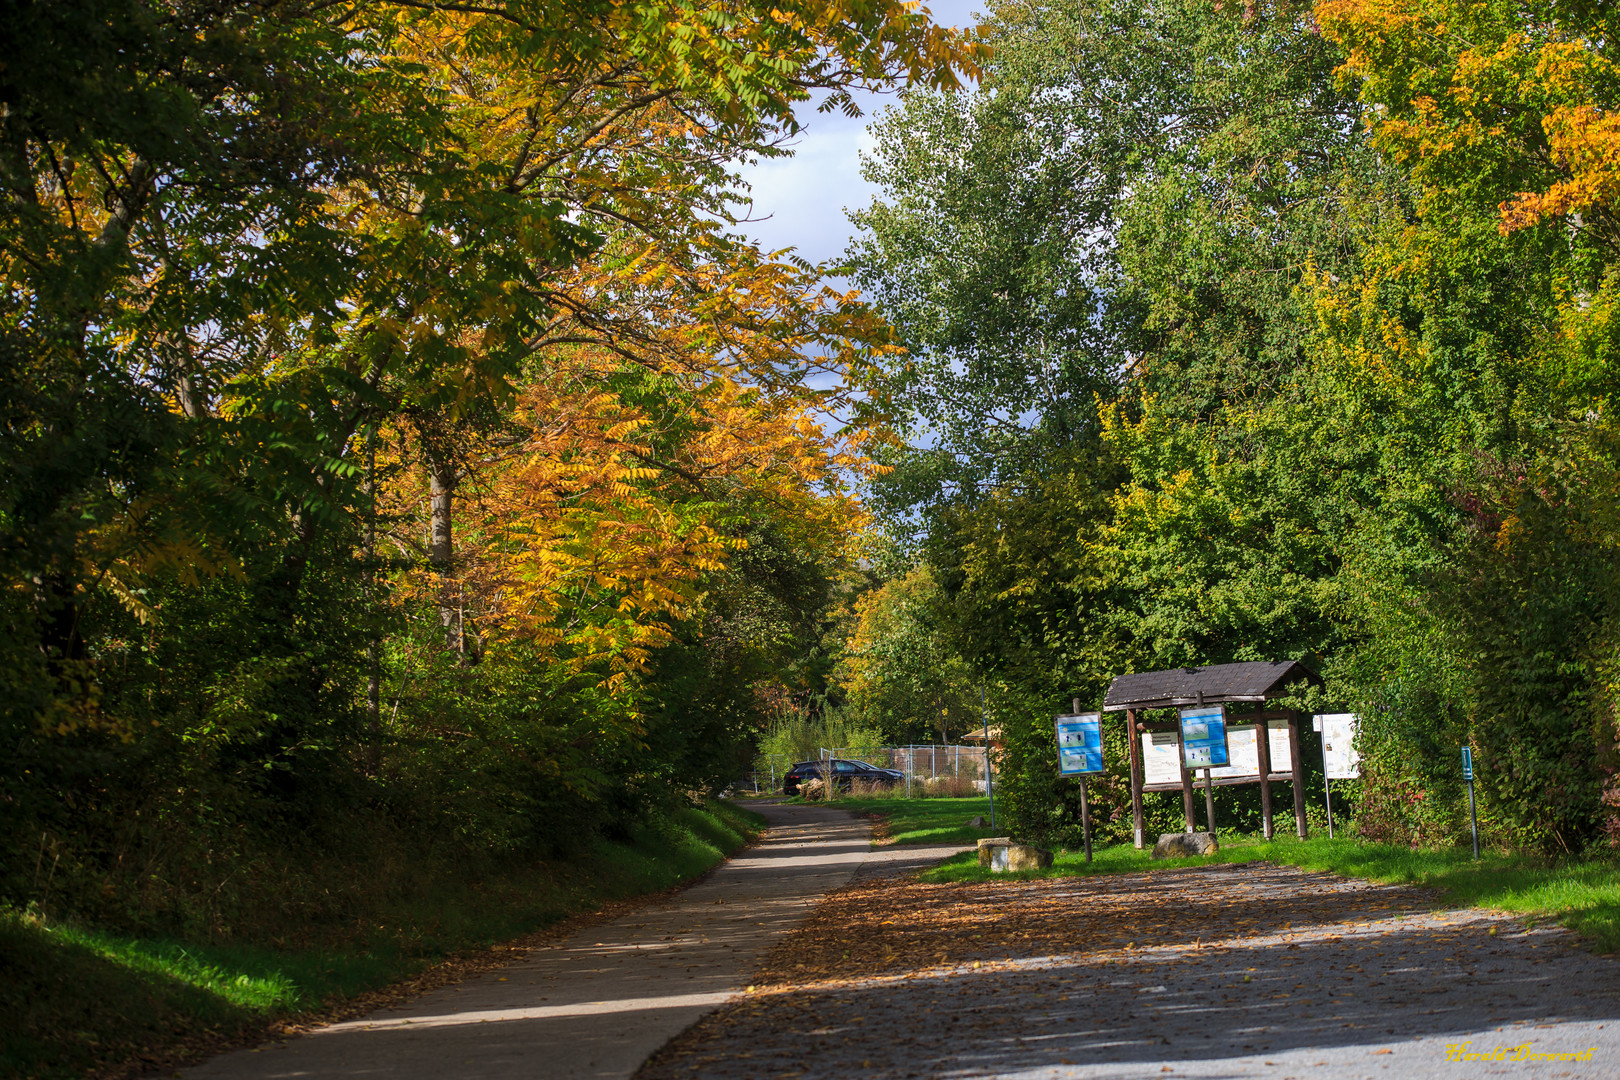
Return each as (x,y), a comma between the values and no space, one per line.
(1203,737)
(1079,742)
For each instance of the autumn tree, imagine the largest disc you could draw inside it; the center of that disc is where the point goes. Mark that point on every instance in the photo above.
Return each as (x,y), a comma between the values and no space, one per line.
(269,267)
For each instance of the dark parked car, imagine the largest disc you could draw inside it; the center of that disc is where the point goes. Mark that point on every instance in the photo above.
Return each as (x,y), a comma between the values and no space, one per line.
(845,772)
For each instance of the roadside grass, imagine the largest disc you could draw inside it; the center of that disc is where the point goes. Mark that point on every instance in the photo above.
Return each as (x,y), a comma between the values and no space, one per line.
(923,821)
(1581,894)
(77,998)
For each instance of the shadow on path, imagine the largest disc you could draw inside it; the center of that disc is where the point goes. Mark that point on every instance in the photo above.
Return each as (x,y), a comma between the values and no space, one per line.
(1235,971)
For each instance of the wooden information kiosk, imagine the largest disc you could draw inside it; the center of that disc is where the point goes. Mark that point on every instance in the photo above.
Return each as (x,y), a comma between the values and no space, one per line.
(1259,741)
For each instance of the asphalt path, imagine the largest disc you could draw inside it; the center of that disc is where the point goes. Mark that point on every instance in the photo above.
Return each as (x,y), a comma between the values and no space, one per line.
(595,1005)
(1214,972)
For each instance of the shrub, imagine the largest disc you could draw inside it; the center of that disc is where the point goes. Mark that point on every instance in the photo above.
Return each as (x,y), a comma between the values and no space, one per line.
(950,787)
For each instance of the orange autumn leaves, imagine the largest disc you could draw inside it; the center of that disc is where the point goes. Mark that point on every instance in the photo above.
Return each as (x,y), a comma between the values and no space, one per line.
(595,522)
(1522,97)
(602,532)
(711,396)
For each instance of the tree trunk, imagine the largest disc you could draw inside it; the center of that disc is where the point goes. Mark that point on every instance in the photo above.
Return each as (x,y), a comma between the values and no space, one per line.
(57,609)
(443,477)
(373,640)
(441,537)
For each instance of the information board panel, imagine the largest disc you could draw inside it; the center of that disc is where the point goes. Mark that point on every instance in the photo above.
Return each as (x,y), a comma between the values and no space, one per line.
(1243,752)
(1339,755)
(1160,765)
(1079,744)
(1281,745)
(1203,736)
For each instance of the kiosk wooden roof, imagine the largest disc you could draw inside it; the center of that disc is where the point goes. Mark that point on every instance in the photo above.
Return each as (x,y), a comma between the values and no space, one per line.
(1252,681)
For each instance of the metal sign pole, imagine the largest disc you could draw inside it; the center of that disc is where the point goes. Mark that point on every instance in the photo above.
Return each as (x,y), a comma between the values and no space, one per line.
(1468,774)
(1319,725)
(989,784)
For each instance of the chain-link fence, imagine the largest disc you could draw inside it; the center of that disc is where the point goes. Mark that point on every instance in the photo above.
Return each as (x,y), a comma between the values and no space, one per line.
(931,769)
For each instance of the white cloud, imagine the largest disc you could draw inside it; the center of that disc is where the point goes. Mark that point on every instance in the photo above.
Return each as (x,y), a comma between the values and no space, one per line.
(801,200)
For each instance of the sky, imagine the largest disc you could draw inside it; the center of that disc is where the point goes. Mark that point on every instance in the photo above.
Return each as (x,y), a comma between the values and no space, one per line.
(799,201)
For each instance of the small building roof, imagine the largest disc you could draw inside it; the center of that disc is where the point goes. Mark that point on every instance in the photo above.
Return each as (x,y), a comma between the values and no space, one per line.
(1252,681)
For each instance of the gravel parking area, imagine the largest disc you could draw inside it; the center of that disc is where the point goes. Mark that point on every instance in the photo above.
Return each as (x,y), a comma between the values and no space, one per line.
(1220,971)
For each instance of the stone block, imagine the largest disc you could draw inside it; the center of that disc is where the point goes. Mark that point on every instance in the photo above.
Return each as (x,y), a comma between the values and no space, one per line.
(1000,853)
(1026,857)
(1180,845)
(987,846)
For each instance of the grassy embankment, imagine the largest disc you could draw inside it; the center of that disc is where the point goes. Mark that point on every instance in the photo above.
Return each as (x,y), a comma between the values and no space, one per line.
(921,821)
(1581,894)
(76,998)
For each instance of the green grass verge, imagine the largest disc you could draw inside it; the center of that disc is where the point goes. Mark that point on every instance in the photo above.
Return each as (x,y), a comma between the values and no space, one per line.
(1583,895)
(924,821)
(74,997)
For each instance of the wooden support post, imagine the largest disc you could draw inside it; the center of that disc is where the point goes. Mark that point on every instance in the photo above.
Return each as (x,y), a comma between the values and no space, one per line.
(1209,803)
(1186,785)
(1134,740)
(1085,818)
(1298,763)
(1262,743)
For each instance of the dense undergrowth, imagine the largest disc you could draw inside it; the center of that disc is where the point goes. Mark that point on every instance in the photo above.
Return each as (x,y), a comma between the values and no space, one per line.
(76,997)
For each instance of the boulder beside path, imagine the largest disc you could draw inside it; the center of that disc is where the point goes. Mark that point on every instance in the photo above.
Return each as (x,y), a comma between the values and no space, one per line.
(1181,845)
(1002,853)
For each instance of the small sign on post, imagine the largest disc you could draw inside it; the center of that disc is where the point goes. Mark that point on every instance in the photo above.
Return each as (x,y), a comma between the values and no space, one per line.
(1468,775)
(1339,758)
(1204,746)
(1079,741)
(1079,746)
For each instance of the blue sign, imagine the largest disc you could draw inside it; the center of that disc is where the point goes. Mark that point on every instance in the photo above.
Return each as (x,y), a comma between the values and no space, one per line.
(1079,743)
(1203,737)
(1468,763)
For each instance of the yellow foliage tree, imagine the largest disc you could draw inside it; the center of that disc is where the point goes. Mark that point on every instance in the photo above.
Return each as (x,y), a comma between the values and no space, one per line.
(1491,95)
